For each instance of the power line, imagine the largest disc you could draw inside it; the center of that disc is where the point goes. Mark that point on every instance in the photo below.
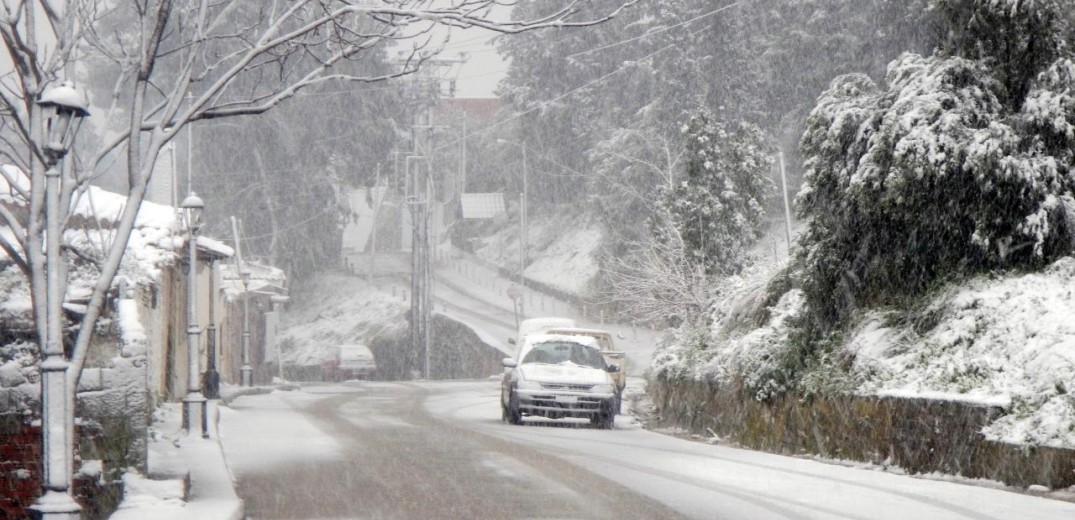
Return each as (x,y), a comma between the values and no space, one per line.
(293,226)
(658,31)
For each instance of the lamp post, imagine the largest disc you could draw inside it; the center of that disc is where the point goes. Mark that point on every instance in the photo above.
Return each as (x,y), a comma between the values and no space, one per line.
(246,378)
(194,412)
(63,109)
(523,224)
(212,376)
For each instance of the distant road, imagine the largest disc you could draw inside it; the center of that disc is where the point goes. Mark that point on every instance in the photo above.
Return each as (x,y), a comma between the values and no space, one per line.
(477,296)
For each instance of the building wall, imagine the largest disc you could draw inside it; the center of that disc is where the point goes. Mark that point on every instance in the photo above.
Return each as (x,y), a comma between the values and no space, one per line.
(231,335)
(164,315)
(173,364)
(217,306)
(20,465)
(151,304)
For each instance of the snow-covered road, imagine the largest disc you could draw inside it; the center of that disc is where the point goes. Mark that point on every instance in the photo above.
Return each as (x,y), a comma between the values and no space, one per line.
(439,450)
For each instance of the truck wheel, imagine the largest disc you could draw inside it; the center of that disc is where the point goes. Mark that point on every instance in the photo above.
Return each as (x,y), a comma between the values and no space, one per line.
(606,417)
(604,420)
(511,412)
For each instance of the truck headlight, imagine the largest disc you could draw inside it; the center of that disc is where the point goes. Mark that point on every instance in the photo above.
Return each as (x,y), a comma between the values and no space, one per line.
(603,389)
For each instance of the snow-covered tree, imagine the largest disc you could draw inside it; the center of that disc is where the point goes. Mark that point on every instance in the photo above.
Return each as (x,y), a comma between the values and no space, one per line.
(616,105)
(962,161)
(719,207)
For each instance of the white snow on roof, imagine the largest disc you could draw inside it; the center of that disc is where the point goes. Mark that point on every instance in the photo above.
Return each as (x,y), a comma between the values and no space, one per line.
(156,240)
(536,325)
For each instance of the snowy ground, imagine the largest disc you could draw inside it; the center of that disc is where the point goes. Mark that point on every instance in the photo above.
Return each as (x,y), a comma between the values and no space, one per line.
(561,252)
(173,456)
(1002,340)
(1006,340)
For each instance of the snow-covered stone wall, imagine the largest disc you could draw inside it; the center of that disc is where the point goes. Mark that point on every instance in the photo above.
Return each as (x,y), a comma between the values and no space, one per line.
(916,435)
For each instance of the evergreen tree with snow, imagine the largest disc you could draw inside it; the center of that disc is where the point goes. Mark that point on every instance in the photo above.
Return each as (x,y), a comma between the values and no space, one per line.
(718,209)
(961,162)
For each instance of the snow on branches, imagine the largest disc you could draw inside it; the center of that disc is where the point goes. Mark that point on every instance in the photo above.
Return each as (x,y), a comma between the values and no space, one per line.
(941,171)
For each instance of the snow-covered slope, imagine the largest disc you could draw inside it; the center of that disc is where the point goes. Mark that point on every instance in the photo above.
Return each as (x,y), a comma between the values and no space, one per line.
(337,309)
(1006,340)
(561,252)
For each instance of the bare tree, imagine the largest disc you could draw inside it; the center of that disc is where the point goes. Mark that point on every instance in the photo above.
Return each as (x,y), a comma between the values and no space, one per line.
(656,281)
(233,57)
(629,167)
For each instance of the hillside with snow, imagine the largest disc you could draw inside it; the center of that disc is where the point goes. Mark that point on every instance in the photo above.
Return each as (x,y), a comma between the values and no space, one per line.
(337,309)
(562,252)
(1004,340)
(1000,340)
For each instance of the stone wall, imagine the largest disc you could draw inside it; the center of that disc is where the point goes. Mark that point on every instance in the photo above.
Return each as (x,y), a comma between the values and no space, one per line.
(20,465)
(113,410)
(917,435)
(20,469)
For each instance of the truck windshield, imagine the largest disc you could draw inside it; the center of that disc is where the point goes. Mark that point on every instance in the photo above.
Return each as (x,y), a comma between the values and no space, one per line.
(555,352)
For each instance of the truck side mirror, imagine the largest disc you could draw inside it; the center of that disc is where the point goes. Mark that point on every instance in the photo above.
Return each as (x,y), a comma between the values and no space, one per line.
(508,363)
(613,368)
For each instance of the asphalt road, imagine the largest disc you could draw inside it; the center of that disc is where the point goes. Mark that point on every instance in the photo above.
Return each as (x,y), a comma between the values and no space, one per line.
(394,460)
(438,450)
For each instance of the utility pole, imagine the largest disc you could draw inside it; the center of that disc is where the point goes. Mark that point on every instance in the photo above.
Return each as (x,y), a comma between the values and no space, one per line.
(524,239)
(418,200)
(376,202)
(463,159)
(421,197)
(524,196)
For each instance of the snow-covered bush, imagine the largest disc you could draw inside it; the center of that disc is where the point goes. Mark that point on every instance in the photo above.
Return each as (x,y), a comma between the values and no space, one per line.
(744,339)
(961,162)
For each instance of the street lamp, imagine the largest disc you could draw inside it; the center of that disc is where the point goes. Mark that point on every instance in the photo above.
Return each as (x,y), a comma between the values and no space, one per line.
(63,109)
(523,224)
(246,369)
(194,410)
